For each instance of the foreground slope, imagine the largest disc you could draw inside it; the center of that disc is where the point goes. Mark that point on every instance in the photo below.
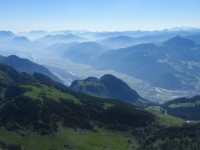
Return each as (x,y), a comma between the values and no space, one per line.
(38,113)
(34,105)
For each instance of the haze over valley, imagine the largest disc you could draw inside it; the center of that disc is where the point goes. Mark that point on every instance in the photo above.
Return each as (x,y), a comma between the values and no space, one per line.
(99,75)
(160,65)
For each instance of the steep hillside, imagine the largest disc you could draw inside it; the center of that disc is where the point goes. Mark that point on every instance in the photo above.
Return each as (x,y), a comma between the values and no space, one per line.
(186,108)
(108,86)
(179,138)
(25,65)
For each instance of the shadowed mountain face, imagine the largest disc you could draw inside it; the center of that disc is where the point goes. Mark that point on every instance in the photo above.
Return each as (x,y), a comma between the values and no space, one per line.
(25,65)
(108,86)
(36,102)
(172,65)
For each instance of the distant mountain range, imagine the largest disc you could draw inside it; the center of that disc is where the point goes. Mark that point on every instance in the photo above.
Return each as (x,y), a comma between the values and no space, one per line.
(8,36)
(173,64)
(128,41)
(118,42)
(108,86)
(61,38)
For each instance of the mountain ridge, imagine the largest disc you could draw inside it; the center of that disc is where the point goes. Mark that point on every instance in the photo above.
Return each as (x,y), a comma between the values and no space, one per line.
(162,65)
(25,65)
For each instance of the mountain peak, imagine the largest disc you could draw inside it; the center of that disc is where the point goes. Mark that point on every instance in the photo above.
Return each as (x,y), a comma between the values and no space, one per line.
(108,86)
(109,76)
(13,57)
(180,41)
(20,39)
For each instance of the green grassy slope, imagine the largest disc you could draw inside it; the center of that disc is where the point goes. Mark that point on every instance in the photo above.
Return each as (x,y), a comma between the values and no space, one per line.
(163,118)
(69,139)
(37,113)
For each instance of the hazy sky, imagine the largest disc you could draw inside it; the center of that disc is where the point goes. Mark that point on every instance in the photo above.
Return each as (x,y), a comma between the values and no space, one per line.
(98,15)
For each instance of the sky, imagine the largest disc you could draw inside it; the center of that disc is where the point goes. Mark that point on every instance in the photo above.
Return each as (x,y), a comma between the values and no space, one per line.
(98,15)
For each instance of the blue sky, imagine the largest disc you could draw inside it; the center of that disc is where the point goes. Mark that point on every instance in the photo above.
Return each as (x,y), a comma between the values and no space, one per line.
(98,15)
